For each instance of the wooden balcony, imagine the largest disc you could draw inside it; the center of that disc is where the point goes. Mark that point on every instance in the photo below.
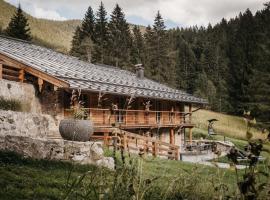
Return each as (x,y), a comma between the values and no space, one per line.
(137,118)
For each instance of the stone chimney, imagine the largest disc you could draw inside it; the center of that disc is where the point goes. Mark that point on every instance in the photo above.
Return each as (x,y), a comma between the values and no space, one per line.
(139,71)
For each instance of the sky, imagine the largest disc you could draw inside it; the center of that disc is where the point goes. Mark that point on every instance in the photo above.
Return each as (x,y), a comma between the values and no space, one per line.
(182,13)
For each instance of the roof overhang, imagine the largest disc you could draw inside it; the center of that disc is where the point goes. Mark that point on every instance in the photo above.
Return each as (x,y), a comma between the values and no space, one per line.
(142,96)
(8,60)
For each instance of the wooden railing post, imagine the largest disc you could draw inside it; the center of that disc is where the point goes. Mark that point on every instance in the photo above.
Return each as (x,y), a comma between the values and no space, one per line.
(106,139)
(125,141)
(154,149)
(177,154)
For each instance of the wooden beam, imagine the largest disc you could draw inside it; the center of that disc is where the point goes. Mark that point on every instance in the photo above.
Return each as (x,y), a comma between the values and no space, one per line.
(16,64)
(1,71)
(172,136)
(9,64)
(21,75)
(11,78)
(40,84)
(9,71)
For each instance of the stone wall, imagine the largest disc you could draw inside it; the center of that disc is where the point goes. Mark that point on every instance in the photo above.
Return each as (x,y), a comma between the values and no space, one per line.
(37,136)
(23,92)
(27,124)
(56,149)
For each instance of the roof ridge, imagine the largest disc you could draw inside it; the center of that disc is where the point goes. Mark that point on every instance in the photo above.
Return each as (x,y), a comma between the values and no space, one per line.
(16,39)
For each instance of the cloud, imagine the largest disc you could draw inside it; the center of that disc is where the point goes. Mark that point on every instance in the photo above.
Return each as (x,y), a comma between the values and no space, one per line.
(47,14)
(177,12)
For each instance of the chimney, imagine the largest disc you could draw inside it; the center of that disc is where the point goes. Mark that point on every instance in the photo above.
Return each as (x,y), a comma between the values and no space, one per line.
(139,71)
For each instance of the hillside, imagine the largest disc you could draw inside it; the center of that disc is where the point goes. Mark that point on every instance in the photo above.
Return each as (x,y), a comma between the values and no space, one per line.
(227,125)
(50,33)
(54,34)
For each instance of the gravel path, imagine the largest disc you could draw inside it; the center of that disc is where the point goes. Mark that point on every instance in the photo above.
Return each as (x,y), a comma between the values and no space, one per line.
(204,159)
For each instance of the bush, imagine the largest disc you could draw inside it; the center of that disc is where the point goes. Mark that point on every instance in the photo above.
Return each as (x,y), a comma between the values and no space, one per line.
(10,104)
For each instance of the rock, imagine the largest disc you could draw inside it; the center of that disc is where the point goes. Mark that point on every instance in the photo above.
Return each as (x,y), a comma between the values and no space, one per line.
(97,151)
(107,162)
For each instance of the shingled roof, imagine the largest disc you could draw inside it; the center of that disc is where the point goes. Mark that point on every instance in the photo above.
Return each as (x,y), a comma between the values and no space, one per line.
(87,76)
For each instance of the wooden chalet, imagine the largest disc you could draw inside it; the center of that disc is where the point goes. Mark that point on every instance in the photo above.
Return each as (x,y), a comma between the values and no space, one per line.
(142,107)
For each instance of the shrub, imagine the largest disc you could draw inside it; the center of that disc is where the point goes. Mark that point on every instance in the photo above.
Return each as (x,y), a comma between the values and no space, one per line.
(10,104)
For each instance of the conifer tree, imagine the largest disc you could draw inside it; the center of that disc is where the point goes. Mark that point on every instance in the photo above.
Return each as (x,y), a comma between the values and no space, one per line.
(137,53)
(83,39)
(159,62)
(18,26)
(101,35)
(242,58)
(185,65)
(119,39)
(76,42)
(88,24)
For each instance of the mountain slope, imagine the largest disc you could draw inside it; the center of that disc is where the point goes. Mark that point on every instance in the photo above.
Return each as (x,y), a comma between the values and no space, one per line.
(54,34)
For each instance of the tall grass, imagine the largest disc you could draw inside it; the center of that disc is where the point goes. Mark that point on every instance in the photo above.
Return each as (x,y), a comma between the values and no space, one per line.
(10,104)
(140,178)
(228,125)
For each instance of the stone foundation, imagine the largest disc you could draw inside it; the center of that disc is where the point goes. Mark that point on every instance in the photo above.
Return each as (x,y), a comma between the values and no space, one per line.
(57,149)
(37,136)
(27,124)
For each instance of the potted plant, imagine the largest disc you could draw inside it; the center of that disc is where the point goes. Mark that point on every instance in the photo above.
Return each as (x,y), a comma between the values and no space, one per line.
(80,127)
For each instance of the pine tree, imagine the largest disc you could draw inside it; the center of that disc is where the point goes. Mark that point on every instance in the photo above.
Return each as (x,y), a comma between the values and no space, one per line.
(137,52)
(242,62)
(148,35)
(205,88)
(101,35)
(157,48)
(185,65)
(83,39)
(119,39)
(76,43)
(18,26)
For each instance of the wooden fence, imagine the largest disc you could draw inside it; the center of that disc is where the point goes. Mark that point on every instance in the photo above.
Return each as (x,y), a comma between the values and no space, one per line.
(135,143)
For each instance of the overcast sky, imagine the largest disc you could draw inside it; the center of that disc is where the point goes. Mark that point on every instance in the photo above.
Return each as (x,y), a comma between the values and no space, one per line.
(175,12)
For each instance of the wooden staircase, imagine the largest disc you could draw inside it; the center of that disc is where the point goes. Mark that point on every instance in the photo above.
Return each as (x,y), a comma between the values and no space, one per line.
(136,143)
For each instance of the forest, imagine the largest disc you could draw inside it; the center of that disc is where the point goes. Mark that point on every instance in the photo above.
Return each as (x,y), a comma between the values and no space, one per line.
(227,63)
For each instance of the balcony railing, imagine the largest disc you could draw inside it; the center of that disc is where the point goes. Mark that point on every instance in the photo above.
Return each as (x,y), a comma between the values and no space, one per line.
(134,118)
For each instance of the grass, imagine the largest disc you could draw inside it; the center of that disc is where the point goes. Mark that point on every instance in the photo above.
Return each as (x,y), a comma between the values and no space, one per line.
(227,125)
(10,104)
(140,178)
(22,178)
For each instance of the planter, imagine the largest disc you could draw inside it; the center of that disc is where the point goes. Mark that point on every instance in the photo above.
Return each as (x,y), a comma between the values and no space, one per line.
(76,130)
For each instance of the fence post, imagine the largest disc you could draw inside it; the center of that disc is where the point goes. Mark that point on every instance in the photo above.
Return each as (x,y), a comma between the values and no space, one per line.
(106,141)
(125,141)
(177,153)
(154,149)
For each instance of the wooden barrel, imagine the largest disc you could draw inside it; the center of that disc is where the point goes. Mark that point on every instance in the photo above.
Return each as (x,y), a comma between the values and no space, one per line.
(76,130)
